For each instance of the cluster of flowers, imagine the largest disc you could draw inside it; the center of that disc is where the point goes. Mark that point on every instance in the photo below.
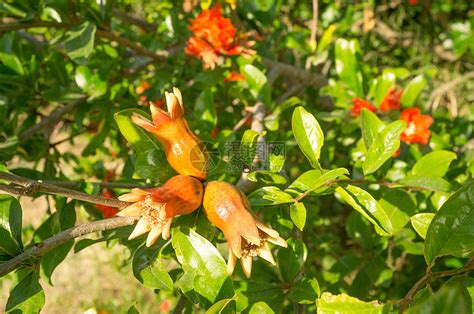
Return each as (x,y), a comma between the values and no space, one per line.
(417,130)
(224,205)
(214,38)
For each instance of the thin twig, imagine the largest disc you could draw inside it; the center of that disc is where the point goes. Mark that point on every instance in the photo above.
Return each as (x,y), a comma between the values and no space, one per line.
(75,232)
(450,85)
(427,278)
(107,185)
(129,19)
(301,75)
(30,187)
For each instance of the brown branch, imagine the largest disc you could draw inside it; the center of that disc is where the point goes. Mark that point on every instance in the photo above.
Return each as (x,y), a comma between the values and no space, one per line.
(28,187)
(314,24)
(428,278)
(107,185)
(41,248)
(129,19)
(446,87)
(297,74)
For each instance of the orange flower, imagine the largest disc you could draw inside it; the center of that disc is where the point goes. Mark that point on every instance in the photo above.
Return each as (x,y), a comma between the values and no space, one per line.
(229,209)
(182,147)
(144,85)
(107,211)
(156,207)
(359,104)
(417,126)
(214,35)
(391,100)
(233,77)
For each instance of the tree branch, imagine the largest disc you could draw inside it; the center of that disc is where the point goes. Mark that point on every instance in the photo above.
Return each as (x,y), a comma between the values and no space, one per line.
(129,19)
(428,278)
(30,187)
(41,248)
(309,78)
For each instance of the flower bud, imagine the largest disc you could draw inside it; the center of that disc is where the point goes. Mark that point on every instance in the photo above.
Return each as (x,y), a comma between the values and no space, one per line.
(156,207)
(183,149)
(229,209)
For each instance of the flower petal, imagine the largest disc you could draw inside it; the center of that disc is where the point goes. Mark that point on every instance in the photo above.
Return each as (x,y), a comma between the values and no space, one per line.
(231,261)
(277,241)
(272,233)
(166,229)
(265,253)
(154,234)
(246,263)
(142,227)
(131,211)
(143,122)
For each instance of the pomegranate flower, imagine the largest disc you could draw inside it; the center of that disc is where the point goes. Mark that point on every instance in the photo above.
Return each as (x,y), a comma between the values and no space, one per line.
(183,148)
(229,210)
(359,104)
(417,126)
(391,100)
(214,35)
(156,207)
(234,77)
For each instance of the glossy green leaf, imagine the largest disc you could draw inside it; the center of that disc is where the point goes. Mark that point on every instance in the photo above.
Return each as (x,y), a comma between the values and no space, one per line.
(305,291)
(269,195)
(291,259)
(272,120)
(13,62)
(261,308)
(342,303)
(298,215)
(90,83)
(204,110)
(308,135)
(435,184)
(248,147)
(267,177)
(313,180)
(384,146)
(148,270)
(27,296)
(151,161)
(202,264)
(451,231)
(371,126)
(381,85)
(79,42)
(222,307)
(434,164)
(398,205)
(368,207)
(421,222)
(10,225)
(412,90)
(257,82)
(347,65)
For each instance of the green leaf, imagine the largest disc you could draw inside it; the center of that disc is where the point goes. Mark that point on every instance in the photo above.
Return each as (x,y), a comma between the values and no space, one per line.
(368,207)
(151,161)
(342,303)
(13,62)
(248,147)
(269,195)
(10,225)
(147,268)
(434,164)
(435,184)
(133,309)
(204,110)
(385,144)
(306,291)
(381,85)
(371,126)
(291,259)
(261,308)
(308,135)
(79,42)
(398,205)
(313,179)
(448,299)
(451,231)
(347,65)
(412,91)
(90,83)
(222,306)
(203,266)
(421,222)
(257,82)
(272,121)
(27,296)
(267,177)
(298,215)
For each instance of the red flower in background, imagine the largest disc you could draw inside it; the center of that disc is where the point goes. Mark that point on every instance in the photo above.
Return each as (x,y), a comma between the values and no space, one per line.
(412,2)
(234,76)
(214,35)
(417,126)
(391,100)
(107,211)
(359,104)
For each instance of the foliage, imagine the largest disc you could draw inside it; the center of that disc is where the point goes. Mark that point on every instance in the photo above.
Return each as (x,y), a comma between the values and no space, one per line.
(356,147)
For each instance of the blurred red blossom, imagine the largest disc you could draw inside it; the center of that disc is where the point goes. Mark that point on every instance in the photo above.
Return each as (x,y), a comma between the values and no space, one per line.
(234,76)
(417,126)
(391,100)
(214,35)
(359,104)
